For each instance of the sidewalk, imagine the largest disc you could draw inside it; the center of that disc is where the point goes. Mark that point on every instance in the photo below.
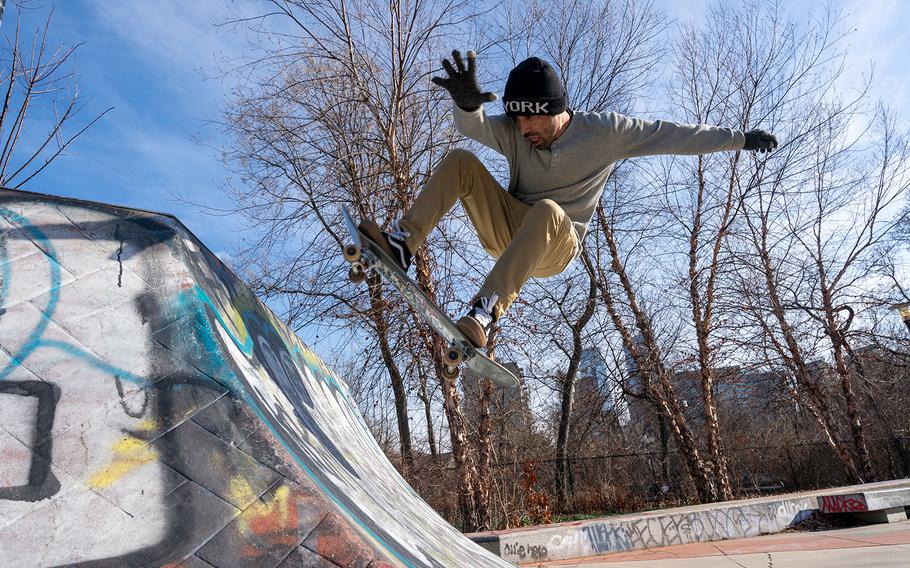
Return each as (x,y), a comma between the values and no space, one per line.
(874,546)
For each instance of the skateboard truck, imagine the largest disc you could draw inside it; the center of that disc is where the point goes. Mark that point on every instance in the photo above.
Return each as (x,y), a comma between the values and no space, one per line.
(454,357)
(358,270)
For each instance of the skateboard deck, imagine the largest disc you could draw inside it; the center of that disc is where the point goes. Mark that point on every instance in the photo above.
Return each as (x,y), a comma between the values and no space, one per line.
(364,254)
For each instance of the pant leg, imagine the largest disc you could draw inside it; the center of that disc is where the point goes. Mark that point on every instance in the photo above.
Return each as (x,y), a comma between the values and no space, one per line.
(462,175)
(544,245)
(528,241)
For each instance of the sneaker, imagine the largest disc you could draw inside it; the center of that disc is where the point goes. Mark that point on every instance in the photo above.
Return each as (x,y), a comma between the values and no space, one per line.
(392,241)
(476,324)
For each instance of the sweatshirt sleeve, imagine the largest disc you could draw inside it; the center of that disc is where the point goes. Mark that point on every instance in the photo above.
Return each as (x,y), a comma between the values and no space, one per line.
(496,132)
(629,137)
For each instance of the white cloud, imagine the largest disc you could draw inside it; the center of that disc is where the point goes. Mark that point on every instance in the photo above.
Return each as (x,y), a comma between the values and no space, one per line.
(176,34)
(880,37)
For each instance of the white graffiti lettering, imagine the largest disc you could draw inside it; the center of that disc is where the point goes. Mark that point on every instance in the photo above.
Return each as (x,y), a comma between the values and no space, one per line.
(527,107)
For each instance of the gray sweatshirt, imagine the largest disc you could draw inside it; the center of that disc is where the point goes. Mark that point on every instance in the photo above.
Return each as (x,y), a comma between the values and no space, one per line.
(574,170)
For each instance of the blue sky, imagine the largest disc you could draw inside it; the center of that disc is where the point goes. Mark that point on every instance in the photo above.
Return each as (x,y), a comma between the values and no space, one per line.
(150,61)
(154,62)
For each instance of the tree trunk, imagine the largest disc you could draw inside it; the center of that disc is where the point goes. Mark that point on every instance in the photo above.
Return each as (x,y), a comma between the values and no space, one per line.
(465,468)
(474,485)
(835,333)
(424,395)
(664,435)
(484,448)
(853,414)
(648,360)
(567,392)
(712,428)
(378,312)
(792,355)
(702,312)
(685,441)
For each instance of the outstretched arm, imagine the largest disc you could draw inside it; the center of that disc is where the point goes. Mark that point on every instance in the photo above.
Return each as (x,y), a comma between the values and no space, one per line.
(629,137)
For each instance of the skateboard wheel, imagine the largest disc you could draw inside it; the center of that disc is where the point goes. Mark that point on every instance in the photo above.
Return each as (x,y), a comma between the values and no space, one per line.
(449,372)
(356,273)
(351,253)
(454,356)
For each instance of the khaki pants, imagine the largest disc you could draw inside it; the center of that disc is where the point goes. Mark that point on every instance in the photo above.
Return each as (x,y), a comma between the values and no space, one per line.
(528,240)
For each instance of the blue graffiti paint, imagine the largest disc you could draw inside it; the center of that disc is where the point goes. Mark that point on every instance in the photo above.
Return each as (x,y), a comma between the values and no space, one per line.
(5,274)
(246,346)
(34,339)
(94,361)
(192,314)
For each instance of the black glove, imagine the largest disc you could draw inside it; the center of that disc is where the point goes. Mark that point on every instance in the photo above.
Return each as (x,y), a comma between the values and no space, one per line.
(760,140)
(462,83)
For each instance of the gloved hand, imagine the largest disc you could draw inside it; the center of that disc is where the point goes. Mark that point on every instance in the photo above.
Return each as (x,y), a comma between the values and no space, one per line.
(462,83)
(760,140)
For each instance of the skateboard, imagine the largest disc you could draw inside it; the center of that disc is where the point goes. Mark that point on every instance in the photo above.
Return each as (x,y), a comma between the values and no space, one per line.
(363,254)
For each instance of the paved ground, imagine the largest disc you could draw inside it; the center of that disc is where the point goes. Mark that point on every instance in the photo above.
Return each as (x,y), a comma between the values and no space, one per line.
(878,546)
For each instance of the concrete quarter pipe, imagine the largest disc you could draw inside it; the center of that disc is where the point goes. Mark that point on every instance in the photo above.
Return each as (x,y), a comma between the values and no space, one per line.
(154,412)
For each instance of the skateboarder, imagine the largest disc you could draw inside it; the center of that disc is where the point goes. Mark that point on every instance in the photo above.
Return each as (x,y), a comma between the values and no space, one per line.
(559,160)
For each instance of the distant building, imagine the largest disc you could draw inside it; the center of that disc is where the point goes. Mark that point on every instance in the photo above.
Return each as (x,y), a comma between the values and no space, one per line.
(734,387)
(594,375)
(596,380)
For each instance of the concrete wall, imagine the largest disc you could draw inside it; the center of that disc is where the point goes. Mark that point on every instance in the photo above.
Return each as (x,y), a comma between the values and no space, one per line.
(700,523)
(153,411)
(679,526)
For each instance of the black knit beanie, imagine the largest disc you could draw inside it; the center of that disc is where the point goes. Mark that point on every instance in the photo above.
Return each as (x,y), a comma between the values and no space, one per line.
(534,88)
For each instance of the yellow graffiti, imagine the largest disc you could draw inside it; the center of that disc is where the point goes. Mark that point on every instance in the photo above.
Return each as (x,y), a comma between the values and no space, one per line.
(236,320)
(129,454)
(147,425)
(241,491)
(273,520)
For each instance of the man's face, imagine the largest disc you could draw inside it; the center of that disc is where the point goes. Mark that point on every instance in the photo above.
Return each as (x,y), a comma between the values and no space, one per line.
(539,129)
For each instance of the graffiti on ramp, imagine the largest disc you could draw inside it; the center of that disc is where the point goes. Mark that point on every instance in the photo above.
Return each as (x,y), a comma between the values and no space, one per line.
(154,412)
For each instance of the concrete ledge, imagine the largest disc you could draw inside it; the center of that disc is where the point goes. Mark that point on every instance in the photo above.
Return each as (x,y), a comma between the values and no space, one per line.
(674,526)
(892,515)
(715,521)
(885,505)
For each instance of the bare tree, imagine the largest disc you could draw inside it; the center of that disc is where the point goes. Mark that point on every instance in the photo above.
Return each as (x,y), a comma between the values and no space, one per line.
(338,112)
(642,340)
(815,237)
(36,75)
(817,217)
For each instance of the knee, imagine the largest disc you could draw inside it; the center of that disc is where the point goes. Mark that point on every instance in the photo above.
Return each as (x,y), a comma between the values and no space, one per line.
(459,157)
(546,209)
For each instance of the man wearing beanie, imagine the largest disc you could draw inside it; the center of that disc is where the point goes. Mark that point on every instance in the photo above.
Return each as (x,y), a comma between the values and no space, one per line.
(559,162)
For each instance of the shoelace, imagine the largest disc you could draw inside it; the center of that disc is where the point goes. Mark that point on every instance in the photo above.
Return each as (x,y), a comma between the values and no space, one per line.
(396,232)
(484,312)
